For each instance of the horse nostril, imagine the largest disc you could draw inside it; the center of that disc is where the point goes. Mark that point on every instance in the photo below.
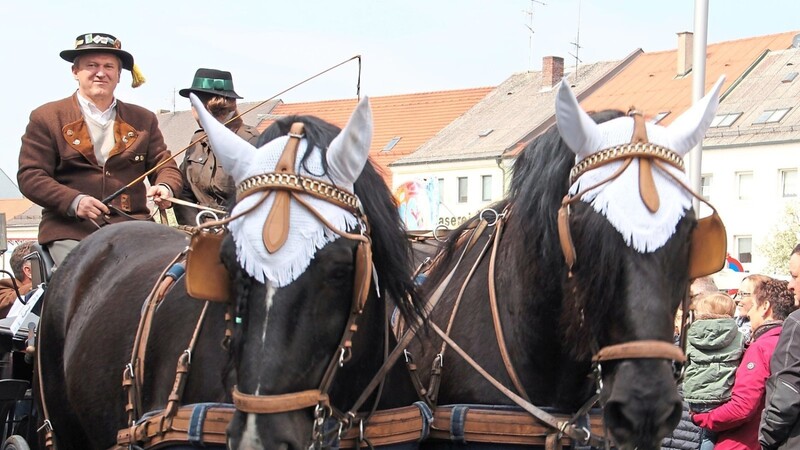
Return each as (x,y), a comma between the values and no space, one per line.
(617,421)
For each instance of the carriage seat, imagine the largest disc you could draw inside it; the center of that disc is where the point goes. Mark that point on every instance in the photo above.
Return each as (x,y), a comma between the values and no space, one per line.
(42,264)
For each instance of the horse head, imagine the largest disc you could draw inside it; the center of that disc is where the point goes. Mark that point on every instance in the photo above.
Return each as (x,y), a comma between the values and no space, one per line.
(310,213)
(626,230)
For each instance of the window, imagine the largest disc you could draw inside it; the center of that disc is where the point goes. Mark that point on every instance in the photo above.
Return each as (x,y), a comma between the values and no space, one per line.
(744,245)
(486,188)
(441,190)
(744,185)
(705,186)
(724,120)
(789,182)
(486,132)
(771,115)
(789,77)
(658,117)
(462,189)
(391,143)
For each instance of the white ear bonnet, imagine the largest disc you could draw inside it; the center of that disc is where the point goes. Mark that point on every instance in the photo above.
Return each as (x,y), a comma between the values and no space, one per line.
(346,157)
(619,200)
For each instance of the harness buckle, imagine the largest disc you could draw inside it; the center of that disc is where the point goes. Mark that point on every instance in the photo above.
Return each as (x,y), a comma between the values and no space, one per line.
(344,356)
(129,371)
(199,217)
(47,426)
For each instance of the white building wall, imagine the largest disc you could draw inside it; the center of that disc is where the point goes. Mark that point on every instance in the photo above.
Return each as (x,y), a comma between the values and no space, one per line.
(452,211)
(755,215)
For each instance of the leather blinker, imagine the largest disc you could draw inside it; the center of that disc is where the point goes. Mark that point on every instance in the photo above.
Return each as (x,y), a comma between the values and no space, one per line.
(708,246)
(206,276)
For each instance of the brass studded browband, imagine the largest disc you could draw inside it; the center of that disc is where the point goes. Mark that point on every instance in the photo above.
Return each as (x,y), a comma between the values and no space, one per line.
(294,182)
(625,151)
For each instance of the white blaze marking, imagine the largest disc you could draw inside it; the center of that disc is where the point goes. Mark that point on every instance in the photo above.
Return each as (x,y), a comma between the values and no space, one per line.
(250,438)
(270,294)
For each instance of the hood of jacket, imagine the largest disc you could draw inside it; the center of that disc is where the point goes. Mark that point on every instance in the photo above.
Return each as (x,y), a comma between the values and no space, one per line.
(713,334)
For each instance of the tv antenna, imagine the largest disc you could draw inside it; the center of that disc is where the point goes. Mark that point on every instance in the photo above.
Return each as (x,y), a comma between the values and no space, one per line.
(577,43)
(529,26)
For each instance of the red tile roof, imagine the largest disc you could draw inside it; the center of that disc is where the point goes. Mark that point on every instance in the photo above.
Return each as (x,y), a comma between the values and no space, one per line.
(14,207)
(414,118)
(652,85)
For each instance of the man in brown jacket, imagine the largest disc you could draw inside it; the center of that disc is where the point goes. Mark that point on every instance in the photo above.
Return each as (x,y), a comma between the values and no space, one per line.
(82,149)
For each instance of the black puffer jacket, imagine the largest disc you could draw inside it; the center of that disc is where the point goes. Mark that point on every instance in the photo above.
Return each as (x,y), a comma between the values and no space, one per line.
(686,435)
(780,422)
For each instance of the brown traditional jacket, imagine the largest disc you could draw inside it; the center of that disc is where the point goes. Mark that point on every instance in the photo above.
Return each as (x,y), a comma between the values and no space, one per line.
(57,163)
(204,180)
(8,295)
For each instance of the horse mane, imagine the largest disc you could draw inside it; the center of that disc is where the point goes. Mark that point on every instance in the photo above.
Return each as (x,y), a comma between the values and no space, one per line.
(539,182)
(390,248)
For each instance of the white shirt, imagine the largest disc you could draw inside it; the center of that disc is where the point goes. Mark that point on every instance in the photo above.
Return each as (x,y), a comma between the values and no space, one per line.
(91,110)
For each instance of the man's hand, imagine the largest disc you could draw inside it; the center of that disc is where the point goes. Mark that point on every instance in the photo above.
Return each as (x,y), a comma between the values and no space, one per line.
(90,208)
(160,192)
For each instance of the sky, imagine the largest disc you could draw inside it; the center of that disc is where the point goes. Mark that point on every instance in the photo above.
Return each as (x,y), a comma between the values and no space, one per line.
(405,46)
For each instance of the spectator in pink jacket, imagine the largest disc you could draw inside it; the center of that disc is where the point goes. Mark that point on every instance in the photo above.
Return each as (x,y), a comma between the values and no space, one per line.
(736,421)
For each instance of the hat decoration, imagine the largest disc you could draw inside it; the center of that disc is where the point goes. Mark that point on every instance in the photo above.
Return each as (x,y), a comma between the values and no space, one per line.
(619,200)
(104,43)
(345,158)
(211,81)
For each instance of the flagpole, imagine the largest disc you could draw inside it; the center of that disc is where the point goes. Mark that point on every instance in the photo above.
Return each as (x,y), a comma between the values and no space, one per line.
(699,51)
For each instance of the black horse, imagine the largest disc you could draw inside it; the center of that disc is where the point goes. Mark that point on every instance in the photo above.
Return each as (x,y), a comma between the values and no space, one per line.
(88,327)
(288,333)
(554,320)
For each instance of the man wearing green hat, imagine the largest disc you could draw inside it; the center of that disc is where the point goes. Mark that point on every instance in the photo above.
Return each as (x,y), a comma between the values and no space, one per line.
(81,149)
(205,182)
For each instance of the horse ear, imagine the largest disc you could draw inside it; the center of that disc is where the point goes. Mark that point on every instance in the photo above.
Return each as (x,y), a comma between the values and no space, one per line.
(233,152)
(690,128)
(577,129)
(348,152)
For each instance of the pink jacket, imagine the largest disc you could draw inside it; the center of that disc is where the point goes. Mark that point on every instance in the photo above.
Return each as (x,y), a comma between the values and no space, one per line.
(736,421)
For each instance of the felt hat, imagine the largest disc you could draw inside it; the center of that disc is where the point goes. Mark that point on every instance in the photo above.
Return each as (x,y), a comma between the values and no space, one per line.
(211,81)
(98,43)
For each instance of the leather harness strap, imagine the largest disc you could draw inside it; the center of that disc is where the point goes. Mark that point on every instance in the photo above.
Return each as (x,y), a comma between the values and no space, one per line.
(276,227)
(647,186)
(498,328)
(133,374)
(271,404)
(564,426)
(215,420)
(412,329)
(641,349)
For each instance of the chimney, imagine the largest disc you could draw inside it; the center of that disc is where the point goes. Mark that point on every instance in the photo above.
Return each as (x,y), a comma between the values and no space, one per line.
(685,43)
(552,71)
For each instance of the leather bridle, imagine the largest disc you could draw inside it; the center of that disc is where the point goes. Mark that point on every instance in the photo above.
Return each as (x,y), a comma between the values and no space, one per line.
(284,184)
(648,155)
